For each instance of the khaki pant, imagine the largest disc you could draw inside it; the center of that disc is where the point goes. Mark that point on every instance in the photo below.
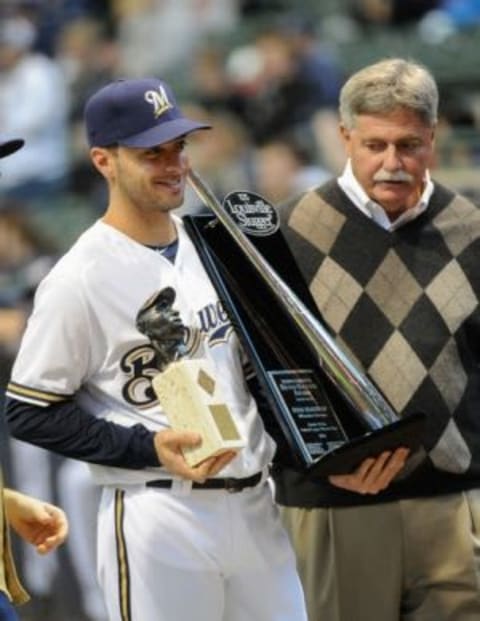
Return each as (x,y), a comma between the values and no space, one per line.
(411,560)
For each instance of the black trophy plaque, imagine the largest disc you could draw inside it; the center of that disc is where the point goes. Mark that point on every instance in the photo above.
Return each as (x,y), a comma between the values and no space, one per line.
(313,423)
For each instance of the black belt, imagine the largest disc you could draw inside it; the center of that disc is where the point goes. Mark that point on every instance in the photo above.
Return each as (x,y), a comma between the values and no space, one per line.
(230,485)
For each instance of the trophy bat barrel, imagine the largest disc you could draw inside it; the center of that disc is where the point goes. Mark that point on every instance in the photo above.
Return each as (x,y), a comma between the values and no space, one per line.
(351,382)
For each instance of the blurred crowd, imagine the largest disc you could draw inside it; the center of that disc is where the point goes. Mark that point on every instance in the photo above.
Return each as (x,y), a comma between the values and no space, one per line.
(275,93)
(265,74)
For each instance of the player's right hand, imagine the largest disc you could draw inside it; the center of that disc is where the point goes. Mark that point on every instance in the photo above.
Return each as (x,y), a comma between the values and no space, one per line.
(169,445)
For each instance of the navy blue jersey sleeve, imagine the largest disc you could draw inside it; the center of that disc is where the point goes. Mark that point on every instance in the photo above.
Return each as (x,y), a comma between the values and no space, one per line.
(70,431)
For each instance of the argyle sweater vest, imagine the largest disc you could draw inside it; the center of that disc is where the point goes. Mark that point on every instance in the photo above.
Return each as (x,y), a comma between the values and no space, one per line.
(404,306)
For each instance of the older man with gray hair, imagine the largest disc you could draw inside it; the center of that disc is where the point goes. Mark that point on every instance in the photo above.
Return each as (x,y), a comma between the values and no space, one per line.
(392,259)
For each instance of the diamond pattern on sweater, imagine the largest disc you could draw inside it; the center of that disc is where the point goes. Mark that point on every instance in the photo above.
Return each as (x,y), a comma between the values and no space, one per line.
(451,452)
(459,224)
(323,225)
(393,288)
(452,295)
(397,371)
(448,375)
(336,293)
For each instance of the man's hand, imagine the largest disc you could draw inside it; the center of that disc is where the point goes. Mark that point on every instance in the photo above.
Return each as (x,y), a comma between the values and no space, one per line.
(43,525)
(169,444)
(374,473)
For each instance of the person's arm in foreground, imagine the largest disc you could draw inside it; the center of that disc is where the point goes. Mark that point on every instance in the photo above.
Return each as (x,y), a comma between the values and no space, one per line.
(40,523)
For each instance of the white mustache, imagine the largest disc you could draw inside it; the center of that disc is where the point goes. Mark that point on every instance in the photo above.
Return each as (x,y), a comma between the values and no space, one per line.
(400,175)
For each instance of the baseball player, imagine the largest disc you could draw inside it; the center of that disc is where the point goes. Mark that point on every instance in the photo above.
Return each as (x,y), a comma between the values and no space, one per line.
(39,523)
(175,541)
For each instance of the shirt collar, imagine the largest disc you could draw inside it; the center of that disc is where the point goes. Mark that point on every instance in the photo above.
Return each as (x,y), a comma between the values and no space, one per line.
(373,210)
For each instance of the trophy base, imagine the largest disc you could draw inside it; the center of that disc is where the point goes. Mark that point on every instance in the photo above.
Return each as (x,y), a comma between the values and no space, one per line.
(191,399)
(406,432)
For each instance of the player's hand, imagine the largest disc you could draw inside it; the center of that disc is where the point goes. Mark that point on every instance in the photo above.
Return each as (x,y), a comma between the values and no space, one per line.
(43,525)
(215,464)
(169,445)
(374,473)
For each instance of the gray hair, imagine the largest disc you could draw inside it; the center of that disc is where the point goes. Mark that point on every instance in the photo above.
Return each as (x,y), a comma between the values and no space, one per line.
(386,85)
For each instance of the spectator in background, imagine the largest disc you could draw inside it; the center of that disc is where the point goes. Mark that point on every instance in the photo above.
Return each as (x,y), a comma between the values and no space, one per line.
(222,156)
(382,13)
(448,18)
(319,65)
(25,257)
(89,57)
(33,104)
(208,79)
(159,37)
(50,17)
(284,167)
(463,13)
(285,82)
(260,8)
(276,97)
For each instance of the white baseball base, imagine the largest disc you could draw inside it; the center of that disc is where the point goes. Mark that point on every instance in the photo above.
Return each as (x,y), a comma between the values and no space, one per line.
(191,398)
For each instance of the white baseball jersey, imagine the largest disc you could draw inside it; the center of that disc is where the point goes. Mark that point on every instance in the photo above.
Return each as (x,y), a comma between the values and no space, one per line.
(81,341)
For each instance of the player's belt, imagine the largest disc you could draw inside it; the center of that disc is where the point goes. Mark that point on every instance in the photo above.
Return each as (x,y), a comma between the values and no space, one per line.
(229,484)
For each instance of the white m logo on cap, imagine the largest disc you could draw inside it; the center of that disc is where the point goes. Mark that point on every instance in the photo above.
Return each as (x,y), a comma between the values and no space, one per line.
(159,101)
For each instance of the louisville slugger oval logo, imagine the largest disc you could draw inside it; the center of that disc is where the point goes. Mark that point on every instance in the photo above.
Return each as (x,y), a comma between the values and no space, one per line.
(253,214)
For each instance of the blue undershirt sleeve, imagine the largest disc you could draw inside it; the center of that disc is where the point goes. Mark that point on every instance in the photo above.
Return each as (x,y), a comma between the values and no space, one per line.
(66,429)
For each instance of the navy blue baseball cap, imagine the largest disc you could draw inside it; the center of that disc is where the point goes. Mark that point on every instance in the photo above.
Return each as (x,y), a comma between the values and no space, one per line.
(10,145)
(139,113)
